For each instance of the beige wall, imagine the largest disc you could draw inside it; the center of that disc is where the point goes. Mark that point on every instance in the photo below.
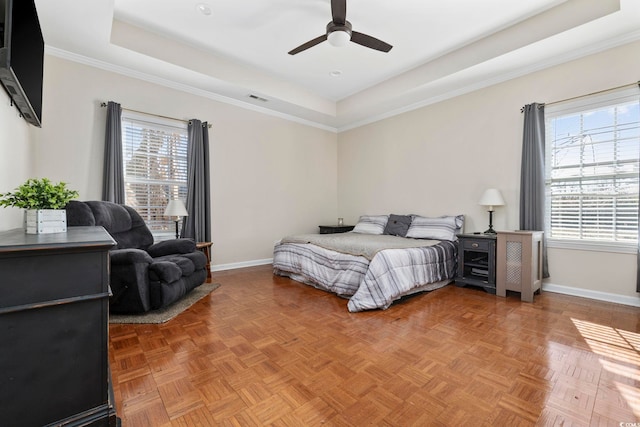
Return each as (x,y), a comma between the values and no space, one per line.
(270,176)
(16,137)
(439,159)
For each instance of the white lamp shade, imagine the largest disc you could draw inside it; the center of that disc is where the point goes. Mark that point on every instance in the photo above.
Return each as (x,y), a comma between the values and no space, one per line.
(176,208)
(491,197)
(339,38)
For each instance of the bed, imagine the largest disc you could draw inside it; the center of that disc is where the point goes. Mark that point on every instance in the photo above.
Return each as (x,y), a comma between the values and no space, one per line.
(385,258)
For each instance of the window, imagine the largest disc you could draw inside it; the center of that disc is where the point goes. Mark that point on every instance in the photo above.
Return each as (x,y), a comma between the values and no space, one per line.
(592,166)
(155,167)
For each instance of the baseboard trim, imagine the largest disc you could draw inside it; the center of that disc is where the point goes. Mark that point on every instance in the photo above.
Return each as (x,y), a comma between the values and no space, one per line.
(546,287)
(597,295)
(243,264)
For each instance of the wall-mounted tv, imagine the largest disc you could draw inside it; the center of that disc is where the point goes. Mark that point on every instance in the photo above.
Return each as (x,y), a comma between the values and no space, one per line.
(22,57)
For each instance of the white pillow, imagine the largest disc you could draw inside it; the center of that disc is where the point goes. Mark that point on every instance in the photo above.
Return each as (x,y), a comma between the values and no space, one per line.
(371,224)
(443,228)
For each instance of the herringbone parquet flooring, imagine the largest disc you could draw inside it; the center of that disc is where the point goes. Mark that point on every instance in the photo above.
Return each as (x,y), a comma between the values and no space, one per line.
(265,350)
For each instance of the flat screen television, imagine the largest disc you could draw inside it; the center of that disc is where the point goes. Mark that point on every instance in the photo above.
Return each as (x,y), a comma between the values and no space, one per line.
(22,57)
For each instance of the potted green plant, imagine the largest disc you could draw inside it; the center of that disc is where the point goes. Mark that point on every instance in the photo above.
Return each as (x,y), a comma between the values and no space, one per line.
(43,202)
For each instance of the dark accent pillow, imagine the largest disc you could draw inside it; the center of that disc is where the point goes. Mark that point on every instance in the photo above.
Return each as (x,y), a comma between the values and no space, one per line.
(397,225)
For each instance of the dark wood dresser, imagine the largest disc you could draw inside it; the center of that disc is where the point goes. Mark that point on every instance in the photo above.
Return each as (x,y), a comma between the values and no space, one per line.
(54,312)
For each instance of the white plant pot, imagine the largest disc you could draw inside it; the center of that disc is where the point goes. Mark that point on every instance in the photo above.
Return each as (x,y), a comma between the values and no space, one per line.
(45,221)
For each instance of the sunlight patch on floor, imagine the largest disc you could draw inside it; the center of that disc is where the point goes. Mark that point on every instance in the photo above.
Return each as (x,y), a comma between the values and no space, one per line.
(619,356)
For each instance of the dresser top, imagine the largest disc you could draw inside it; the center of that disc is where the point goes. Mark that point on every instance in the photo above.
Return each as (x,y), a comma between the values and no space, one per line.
(75,237)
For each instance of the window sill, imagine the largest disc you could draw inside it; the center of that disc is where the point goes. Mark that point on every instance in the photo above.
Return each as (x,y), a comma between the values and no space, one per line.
(622,248)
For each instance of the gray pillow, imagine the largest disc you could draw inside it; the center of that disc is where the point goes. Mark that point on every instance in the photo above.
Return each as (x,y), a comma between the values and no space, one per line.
(442,228)
(371,224)
(397,225)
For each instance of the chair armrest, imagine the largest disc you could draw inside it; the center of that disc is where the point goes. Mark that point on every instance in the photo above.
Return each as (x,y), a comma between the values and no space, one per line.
(170,247)
(129,281)
(129,256)
(164,271)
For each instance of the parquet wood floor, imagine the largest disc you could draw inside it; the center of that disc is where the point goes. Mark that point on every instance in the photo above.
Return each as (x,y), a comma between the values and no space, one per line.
(265,350)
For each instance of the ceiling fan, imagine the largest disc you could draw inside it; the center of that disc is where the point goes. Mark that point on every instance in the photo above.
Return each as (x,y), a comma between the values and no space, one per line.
(339,32)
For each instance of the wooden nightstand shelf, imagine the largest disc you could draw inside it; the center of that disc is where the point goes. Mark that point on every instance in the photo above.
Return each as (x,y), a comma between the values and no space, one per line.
(332,229)
(477,261)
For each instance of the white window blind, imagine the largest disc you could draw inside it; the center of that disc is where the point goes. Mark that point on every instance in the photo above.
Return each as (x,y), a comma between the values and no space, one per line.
(592,166)
(155,167)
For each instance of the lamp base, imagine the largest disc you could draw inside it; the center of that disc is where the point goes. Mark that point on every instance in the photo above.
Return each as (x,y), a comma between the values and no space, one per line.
(177,221)
(490,230)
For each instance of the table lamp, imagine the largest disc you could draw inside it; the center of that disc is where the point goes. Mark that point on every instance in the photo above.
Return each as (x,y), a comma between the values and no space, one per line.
(491,197)
(176,208)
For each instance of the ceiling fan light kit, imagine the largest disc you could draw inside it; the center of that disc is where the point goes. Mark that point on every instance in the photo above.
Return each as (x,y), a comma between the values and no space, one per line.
(339,38)
(339,32)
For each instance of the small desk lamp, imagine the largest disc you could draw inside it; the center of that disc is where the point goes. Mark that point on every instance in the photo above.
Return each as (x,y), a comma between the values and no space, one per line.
(491,197)
(176,208)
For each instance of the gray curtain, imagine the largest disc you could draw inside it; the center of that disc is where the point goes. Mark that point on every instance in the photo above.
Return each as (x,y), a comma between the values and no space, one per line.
(113,175)
(532,191)
(198,224)
(638,248)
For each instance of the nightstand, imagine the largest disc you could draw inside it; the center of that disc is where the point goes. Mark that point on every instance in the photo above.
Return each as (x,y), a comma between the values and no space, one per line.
(332,229)
(205,247)
(520,269)
(477,261)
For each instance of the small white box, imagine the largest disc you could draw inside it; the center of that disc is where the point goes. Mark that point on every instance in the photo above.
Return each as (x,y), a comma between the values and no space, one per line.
(45,221)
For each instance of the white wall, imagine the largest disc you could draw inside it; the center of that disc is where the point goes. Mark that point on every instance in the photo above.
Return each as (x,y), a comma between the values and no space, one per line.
(270,177)
(15,156)
(439,159)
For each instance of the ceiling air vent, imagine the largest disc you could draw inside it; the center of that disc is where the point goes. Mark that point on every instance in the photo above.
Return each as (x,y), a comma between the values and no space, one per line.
(258,98)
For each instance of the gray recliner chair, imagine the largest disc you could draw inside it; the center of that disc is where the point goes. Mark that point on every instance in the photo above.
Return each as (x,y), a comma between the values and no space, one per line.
(144,276)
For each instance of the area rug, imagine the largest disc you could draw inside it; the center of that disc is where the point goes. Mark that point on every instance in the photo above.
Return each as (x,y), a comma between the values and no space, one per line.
(165,314)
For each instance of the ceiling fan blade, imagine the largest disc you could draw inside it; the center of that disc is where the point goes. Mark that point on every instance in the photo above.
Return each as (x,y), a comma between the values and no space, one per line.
(339,11)
(307,45)
(370,42)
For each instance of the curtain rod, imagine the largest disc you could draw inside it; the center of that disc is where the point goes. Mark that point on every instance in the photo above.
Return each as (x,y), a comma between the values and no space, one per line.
(104,104)
(588,94)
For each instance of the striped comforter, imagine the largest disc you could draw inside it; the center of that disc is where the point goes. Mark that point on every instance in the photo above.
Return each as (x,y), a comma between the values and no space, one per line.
(368,284)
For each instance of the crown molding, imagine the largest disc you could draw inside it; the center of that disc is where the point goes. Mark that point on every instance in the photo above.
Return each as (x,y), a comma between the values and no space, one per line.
(523,71)
(128,72)
(500,78)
